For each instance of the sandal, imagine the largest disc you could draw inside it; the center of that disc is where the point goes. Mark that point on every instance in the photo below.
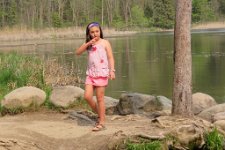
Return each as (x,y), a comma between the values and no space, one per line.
(99,127)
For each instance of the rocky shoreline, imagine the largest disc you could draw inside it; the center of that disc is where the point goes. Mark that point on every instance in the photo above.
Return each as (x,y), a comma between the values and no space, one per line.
(134,115)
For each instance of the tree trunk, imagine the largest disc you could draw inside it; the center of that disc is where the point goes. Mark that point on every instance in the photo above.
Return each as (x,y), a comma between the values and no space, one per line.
(182,82)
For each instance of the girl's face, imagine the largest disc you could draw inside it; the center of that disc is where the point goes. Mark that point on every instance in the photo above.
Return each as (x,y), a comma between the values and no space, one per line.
(94,32)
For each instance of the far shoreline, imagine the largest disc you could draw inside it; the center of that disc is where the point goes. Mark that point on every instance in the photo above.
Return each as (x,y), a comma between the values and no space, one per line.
(19,35)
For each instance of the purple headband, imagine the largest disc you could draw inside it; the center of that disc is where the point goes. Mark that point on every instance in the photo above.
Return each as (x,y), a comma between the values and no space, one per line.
(94,24)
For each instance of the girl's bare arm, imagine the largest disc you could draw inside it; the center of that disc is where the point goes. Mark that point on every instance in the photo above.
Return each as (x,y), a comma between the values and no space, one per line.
(84,46)
(110,59)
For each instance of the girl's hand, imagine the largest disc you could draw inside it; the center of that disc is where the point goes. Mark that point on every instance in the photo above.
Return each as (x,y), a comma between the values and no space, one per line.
(92,41)
(112,75)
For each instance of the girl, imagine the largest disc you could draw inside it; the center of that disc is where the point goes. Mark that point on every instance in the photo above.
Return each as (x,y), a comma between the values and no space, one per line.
(100,68)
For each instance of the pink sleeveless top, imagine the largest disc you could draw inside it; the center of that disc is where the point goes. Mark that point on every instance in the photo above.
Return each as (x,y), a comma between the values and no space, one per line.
(97,61)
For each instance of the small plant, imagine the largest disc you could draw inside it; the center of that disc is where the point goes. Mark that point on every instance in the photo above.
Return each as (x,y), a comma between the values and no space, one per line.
(12,111)
(154,145)
(214,140)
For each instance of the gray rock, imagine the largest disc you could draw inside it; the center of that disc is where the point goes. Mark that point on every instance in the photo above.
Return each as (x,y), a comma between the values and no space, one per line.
(202,101)
(137,103)
(220,123)
(218,116)
(63,96)
(159,103)
(24,97)
(81,119)
(110,105)
(131,103)
(208,113)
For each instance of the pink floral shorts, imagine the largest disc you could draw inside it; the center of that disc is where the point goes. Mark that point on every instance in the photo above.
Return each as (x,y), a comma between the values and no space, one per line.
(100,81)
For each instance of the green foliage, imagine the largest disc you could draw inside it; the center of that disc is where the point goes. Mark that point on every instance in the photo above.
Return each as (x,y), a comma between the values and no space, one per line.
(138,16)
(221,6)
(4,111)
(57,22)
(163,13)
(11,14)
(17,71)
(201,11)
(118,22)
(214,140)
(58,13)
(155,145)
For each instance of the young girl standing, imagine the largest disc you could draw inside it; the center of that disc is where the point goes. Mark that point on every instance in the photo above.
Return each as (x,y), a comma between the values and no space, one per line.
(100,68)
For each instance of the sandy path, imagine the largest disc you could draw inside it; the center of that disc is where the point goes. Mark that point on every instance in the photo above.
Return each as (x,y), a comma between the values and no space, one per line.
(51,130)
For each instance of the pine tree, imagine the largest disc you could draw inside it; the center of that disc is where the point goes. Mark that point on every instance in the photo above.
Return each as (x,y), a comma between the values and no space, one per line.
(163,13)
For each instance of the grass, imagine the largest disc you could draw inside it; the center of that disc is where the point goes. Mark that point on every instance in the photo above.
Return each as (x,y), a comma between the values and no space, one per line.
(18,70)
(214,140)
(154,145)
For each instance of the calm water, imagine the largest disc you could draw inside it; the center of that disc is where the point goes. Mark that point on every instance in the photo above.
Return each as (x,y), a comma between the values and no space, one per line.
(144,62)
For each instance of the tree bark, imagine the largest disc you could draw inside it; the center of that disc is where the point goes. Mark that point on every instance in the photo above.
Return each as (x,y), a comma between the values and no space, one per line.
(182,82)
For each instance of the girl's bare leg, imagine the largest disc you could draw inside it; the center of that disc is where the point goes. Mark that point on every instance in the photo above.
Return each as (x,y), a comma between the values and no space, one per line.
(88,95)
(100,92)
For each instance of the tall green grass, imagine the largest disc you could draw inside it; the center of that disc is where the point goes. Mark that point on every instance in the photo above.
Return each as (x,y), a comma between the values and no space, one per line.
(214,140)
(19,70)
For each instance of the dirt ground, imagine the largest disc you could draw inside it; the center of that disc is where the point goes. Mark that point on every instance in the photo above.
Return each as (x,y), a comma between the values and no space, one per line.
(56,131)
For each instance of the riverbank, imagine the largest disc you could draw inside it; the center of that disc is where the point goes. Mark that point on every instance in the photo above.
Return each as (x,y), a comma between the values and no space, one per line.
(16,34)
(23,34)
(209,25)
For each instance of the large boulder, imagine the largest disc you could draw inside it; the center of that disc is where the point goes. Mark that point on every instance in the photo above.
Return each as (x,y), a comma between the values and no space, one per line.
(137,103)
(110,105)
(218,116)
(131,103)
(220,123)
(159,103)
(63,96)
(208,113)
(202,101)
(24,97)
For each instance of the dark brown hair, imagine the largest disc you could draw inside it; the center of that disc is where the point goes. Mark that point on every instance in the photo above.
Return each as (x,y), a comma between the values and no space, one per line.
(92,24)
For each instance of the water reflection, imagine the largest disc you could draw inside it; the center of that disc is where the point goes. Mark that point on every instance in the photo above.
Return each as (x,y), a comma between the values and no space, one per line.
(144,62)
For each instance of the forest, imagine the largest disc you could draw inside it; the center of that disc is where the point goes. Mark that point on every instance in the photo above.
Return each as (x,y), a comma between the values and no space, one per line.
(119,14)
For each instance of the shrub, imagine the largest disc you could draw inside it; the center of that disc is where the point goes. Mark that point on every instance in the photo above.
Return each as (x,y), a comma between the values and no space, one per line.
(18,70)
(154,145)
(214,140)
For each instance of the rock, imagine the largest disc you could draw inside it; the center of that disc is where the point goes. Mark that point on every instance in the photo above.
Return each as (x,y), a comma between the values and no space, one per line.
(137,103)
(110,105)
(24,97)
(208,113)
(202,101)
(220,123)
(159,103)
(81,119)
(131,103)
(218,116)
(63,96)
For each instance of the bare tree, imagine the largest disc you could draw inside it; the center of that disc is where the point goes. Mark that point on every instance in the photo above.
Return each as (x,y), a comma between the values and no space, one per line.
(126,6)
(182,83)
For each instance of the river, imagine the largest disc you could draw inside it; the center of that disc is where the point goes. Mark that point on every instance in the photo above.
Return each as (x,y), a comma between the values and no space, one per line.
(144,62)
